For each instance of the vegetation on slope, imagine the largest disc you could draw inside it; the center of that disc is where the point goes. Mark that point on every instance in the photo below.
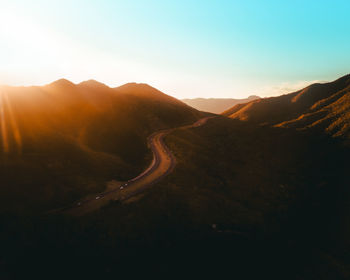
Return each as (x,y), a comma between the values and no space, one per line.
(62,141)
(323,107)
(243,200)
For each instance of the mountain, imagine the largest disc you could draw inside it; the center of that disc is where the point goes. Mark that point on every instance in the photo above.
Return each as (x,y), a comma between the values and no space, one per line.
(66,140)
(216,105)
(319,106)
(244,199)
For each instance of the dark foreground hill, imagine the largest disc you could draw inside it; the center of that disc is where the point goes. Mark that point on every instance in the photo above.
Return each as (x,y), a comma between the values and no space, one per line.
(216,105)
(244,200)
(319,107)
(64,140)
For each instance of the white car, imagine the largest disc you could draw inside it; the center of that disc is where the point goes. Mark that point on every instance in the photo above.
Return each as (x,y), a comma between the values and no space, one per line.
(97,197)
(121,187)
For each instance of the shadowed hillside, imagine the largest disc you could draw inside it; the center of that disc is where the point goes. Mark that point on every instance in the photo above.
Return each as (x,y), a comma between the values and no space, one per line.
(64,140)
(318,106)
(241,196)
(216,105)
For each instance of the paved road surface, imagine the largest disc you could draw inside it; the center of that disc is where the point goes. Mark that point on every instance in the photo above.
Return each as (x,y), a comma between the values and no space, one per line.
(162,164)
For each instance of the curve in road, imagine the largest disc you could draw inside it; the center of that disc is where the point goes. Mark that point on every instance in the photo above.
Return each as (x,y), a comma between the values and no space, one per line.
(162,164)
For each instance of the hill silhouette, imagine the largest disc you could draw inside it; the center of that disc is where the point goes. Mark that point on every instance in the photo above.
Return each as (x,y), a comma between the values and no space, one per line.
(65,140)
(319,106)
(216,105)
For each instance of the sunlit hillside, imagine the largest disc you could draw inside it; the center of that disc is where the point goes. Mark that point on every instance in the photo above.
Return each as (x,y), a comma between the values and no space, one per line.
(63,140)
(319,106)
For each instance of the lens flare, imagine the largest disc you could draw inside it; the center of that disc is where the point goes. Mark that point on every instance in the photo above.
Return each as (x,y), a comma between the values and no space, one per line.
(15,131)
(9,125)
(5,143)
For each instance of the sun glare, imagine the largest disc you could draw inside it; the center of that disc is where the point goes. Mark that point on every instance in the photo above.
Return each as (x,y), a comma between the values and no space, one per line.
(4,138)
(28,46)
(9,125)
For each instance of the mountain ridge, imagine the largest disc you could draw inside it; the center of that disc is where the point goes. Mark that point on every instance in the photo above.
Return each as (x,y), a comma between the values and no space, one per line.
(89,130)
(321,106)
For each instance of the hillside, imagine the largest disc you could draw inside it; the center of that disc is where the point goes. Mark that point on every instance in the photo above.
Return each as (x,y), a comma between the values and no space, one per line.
(320,106)
(216,105)
(240,196)
(64,140)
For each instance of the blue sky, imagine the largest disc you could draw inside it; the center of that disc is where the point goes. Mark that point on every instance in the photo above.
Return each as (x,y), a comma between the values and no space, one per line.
(184,48)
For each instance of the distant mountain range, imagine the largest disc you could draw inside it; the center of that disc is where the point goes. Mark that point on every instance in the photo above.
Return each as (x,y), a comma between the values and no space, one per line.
(324,107)
(216,105)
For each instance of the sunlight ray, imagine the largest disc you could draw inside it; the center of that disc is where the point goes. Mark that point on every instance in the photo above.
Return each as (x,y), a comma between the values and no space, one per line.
(13,122)
(5,143)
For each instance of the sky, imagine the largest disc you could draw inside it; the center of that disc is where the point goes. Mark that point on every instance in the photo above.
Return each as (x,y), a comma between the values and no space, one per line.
(184,48)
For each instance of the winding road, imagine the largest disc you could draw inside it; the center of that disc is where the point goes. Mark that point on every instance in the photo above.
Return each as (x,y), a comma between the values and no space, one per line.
(162,164)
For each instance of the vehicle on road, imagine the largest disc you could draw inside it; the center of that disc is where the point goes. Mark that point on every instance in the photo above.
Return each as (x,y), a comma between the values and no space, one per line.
(121,187)
(97,197)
